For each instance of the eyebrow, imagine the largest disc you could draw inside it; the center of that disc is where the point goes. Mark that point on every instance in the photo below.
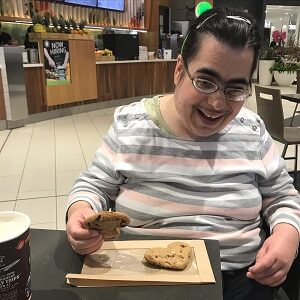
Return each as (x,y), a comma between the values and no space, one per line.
(214,74)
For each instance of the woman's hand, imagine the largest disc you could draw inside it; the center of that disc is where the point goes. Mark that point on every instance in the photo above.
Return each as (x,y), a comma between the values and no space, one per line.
(82,240)
(276,256)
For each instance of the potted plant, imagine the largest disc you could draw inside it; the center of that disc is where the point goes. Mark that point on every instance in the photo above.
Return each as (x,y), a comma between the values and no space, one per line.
(285,72)
(290,51)
(266,61)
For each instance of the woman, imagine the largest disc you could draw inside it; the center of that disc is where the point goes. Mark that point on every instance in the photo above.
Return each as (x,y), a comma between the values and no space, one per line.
(196,164)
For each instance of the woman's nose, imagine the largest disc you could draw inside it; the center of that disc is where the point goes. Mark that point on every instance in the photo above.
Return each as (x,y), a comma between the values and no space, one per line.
(217,100)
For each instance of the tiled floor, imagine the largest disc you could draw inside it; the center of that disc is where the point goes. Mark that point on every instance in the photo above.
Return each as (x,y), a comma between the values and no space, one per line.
(39,162)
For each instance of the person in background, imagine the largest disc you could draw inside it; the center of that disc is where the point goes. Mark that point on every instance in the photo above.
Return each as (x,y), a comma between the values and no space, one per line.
(197,164)
(5,38)
(27,43)
(273,44)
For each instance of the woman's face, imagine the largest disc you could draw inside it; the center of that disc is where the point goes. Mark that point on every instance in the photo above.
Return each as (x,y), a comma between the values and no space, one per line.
(200,114)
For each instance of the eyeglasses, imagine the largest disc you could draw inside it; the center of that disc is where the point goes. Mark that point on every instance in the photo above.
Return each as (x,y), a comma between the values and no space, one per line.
(208,87)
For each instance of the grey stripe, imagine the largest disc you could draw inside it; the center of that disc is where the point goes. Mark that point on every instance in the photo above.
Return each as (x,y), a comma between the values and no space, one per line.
(214,180)
(265,147)
(168,196)
(235,251)
(110,140)
(193,223)
(133,117)
(197,154)
(103,198)
(104,168)
(155,132)
(195,188)
(135,213)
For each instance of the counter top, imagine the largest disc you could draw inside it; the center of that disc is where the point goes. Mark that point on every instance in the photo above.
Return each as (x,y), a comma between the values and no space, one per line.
(132,61)
(108,62)
(32,65)
(29,65)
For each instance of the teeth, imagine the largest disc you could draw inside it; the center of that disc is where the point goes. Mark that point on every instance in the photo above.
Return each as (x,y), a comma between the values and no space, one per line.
(211,116)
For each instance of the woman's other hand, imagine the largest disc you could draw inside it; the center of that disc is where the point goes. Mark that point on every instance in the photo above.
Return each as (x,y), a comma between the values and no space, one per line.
(276,256)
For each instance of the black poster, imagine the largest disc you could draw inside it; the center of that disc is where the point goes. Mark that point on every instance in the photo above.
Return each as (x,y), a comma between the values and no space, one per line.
(57,66)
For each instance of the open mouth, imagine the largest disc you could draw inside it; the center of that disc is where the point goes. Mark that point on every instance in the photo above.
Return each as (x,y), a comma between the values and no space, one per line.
(209,117)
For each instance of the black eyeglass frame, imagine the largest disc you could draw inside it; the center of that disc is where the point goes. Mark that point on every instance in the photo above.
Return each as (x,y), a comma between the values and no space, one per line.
(248,92)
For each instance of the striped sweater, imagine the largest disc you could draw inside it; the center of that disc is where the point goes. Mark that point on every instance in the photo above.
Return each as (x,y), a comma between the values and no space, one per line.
(212,188)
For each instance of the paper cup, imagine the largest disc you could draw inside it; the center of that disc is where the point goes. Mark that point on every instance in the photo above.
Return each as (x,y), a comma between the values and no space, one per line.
(14,256)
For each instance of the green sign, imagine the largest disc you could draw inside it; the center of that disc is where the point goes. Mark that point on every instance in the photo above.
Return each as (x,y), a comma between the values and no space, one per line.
(202,7)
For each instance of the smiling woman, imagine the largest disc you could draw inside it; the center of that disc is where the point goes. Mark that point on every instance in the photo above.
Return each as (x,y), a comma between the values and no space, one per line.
(195,164)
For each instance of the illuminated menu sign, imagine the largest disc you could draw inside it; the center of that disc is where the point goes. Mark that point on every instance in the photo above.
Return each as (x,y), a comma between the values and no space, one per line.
(111,4)
(91,3)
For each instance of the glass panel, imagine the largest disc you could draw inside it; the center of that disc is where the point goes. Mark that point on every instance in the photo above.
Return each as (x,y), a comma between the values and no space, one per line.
(285,21)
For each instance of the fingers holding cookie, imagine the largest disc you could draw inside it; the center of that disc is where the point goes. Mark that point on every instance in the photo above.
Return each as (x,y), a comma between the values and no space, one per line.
(82,240)
(107,223)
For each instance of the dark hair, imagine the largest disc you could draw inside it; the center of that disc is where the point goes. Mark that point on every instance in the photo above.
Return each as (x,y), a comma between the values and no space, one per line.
(238,32)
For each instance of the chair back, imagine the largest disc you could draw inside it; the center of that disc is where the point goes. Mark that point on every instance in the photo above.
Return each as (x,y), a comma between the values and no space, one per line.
(269,108)
(298,82)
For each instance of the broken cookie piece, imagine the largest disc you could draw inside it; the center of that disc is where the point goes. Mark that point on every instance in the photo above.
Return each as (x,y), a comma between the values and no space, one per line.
(108,223)
(175,256)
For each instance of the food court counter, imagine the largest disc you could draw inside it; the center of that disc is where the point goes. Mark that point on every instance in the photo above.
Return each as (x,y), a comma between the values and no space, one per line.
(114,80)
(124,79)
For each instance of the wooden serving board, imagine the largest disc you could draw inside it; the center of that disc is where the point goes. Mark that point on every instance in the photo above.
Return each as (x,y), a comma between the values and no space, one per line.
(122,263)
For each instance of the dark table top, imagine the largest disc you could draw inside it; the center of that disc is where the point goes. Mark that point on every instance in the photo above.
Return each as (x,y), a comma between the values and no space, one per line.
(291,97)
(52,258)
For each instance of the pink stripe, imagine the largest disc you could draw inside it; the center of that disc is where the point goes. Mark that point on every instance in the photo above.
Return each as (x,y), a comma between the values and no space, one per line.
(88,194)
(169,208)
(288,210)
(267,201)
(107,151)
(292,192)
(268,158)
(186,162)
(193,234)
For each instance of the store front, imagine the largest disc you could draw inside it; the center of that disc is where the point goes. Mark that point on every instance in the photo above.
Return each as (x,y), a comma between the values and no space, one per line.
(283,22)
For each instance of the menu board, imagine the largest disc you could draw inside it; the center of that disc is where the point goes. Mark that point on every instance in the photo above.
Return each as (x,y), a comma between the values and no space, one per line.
(112,4)
(91,3)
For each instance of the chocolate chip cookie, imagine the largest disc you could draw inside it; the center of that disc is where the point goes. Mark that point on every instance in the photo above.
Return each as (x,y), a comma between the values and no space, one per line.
(175,256)
(108,223)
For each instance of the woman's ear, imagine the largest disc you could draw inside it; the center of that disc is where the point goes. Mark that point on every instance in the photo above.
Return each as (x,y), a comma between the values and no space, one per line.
(179,69)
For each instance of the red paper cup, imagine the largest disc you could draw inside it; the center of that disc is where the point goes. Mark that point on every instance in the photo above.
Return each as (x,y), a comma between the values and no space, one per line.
(14,256)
